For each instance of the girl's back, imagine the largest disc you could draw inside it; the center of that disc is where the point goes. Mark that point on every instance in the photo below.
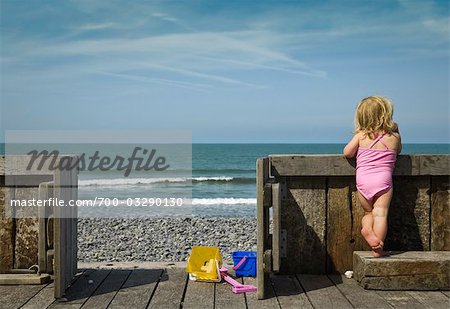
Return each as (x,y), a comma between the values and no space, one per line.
(392,141)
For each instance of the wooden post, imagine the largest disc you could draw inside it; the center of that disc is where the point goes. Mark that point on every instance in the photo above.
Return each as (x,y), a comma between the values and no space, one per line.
(276,226)
(440,213)
(65,230)
(262,227)
(45,193)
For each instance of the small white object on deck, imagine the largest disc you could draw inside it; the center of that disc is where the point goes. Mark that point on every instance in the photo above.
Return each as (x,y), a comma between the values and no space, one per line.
(349,274)
(91,281)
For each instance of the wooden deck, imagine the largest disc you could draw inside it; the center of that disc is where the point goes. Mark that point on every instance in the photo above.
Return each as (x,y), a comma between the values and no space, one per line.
(170,288)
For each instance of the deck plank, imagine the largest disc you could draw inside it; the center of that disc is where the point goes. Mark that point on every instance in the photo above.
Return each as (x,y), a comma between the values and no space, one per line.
(14,296)
(431,299)
(108,289)
(225,298)
(446,293)
(359,297)
(269,302)
(137,289)
(199,295)
(289,292)
(322,292)
(169,292)
(400,299)
(43,299)
(78,293)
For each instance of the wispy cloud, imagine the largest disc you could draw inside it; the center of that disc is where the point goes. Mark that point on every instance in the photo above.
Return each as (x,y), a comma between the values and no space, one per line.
(161,81)
(174,53)
(440,25)
(216,56)
(171,19)
(93,27)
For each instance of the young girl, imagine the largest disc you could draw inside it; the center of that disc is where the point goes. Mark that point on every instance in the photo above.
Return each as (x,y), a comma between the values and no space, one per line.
(376,144)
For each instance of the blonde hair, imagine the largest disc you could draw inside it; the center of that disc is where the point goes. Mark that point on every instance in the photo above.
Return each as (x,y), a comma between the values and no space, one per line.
(374,114)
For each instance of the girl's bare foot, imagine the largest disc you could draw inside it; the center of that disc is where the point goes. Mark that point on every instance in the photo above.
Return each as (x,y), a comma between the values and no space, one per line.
(371,239)
(380,253)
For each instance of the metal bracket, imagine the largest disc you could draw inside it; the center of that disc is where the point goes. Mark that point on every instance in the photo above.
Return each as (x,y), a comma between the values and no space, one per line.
(283,188)
(283,243)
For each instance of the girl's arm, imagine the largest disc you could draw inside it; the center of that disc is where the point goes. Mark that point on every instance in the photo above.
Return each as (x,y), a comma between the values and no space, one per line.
(352,147)
(399,144)
(397,135)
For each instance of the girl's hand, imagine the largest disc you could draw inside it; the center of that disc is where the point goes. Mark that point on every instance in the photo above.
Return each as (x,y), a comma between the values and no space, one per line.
(352,147)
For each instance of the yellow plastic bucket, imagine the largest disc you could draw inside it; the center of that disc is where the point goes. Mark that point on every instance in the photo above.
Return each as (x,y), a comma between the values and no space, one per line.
(199,263)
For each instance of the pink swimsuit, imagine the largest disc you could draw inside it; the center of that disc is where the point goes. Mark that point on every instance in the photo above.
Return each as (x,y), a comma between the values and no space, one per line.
(374,169)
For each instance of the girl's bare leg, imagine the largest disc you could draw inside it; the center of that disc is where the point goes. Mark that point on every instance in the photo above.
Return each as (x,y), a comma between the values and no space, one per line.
(380,213)
(367,224)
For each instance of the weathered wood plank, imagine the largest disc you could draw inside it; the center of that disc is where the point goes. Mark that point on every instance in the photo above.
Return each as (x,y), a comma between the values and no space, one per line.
(17,165)
(440,213)
(340,223)
(446,293)
(224,297)
(435,300)
(169,293)
(434,164)
(15,279)
(357,296)
(269,302)
(45,192)
(138,289)
(108,289)
(262,168)
(43,299)
(336,165)
(411,270)
(344,214)
(400,299)
(289,292)
(409,215)
(14,296)
(27,180)
(78,293)
(322,292)
(59,257)
(74,220)
(276,227)
(199,295)
(303,217)
(27,229)
(64,230)
(311,165)
(6,228)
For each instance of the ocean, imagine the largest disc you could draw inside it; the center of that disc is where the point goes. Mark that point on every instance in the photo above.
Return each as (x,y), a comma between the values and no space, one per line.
(223,179)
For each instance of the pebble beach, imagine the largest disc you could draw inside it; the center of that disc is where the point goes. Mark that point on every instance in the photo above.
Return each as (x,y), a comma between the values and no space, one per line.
(161,239)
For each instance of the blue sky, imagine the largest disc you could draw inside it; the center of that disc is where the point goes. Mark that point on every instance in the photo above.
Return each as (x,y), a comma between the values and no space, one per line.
(229,71)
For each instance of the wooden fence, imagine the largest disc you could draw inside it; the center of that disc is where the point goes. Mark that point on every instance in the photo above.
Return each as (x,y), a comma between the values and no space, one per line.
(46,236)
(316,216)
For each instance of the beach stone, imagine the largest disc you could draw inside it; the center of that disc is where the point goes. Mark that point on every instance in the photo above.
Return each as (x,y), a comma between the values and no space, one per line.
(411,270)
(162,239)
